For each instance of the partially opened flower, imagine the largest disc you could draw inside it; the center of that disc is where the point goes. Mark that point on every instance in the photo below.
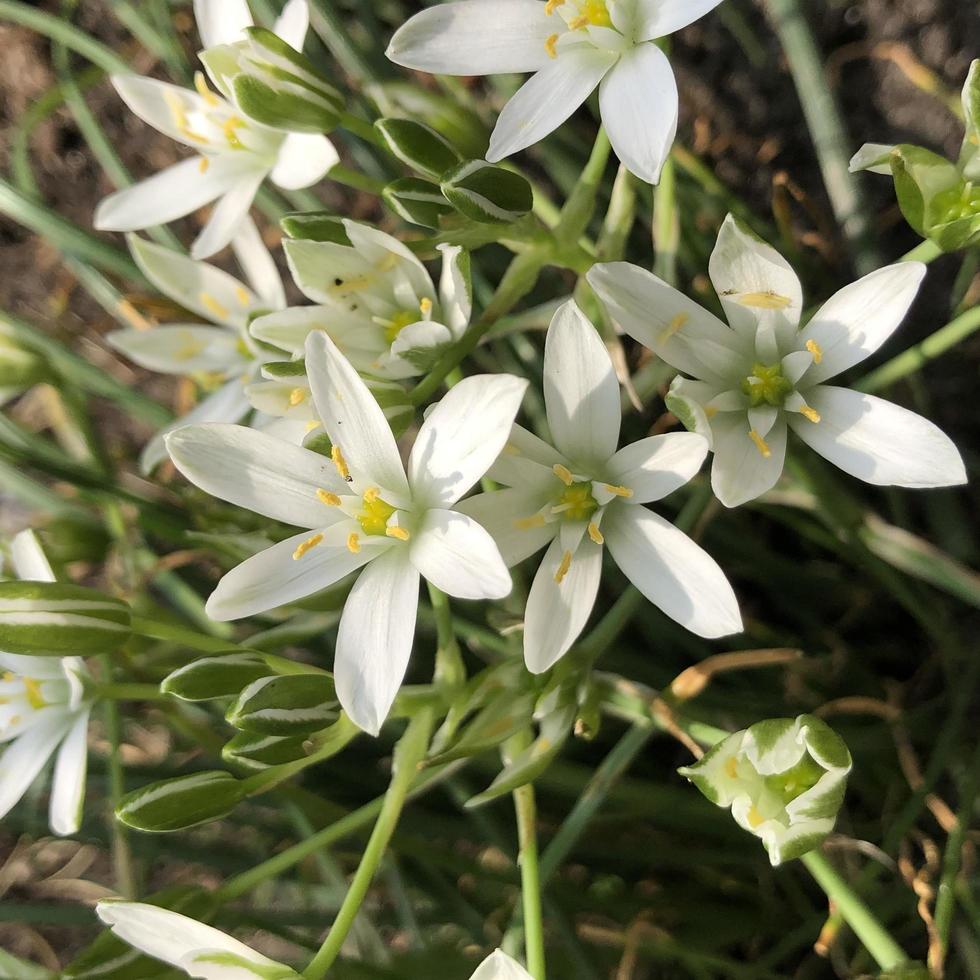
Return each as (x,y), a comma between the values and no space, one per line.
(572,46)
(44,711)
(222,355)
(761,375)
(200,951)
(363,509)
(585,495)
(499,966)
(783,778)
(235,154)
(375,300)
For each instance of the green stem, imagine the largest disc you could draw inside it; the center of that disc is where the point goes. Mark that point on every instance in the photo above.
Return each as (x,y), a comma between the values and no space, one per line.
(925,251)
(666,224)
(122,858)
(352,178)
(450,672)
(578,209)
(408,754)
(130,692)
(526,810)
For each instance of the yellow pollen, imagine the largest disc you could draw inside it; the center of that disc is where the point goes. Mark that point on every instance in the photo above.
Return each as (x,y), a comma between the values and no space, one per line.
(34,696)
(353,543)
(764,451)
(397,532)
(297,396)
(552,5)
(566,564)
(676,324)
(710,411)
(564,474)
(241,294)
(731,768)
(618,491)
(200,83)
(578,22)
(371,495)
(232,124)
(526,523)
(810,413)
(814,348)
(765,301)
(755,818)
(214,307)
(328,498)
(308,545)
(203,165)
(338,460)
(595,533)
(550,45)
(425,307)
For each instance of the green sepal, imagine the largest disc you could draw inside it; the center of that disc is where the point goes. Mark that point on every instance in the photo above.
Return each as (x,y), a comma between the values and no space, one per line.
(417,201)
(487,193)
(284,370)
(280,109)
(258,752)
(919,176)
(277,58)
(503,717)
(315,226)
(418,146)
(297,704)
(210,678)
(180,803)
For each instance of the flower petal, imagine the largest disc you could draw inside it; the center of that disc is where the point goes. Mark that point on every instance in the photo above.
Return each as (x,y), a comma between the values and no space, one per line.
(258,265)
(673,572)
(292,23)
(658,18)
(499,966)
(547,98)
(526,461)
(638,103)
(375,638)
(455,289)
(68,781)
(180,348)
(353,419)
(741,471)
(873,157)
(556,611)
(858,319)
(501,513)
(462,435)
(879,442)
(28,558)
(228,215)
(221,21)
(474,38)
(658,465)
(166,107)
(26,756)
(257,472)
(304,158)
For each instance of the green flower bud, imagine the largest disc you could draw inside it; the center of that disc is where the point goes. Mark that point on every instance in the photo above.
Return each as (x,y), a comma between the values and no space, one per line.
(259,752)
(418,146)
(487,193)
(417,201)
(176,804)
(783,778)
(215,677)
(294,704)
(315,226)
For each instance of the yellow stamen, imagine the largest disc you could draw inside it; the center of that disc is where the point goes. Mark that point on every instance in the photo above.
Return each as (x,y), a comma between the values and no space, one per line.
(397,532)
(810,413)
(241,294)
(566,564)
(371,495)
(710,411)
(552,5)
(233,123)
(815,349)
(308,545)
(511,450)
(353,543)
(731,768)
(765,301)
(526,523)
(595,533)
(550,45)
(328,498)
(214,307)
(312,424)
(203,165)
(676,324)
(338,460)
(34,695)
(618,491)
(578,22)
(755,818)
(764,451)
(425,308)
(200,83)
(563,473)
(176,106)
(297,396)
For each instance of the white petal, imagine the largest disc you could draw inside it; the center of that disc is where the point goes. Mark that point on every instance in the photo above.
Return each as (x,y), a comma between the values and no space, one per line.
(526,461)
(304,158)
(499,966)
(180,348)
(165,107)
(228,215)
(23,759)
(377,248)
(740,472)
(873,157)
(353,419)
(375,638)
(673,572)
(858,319)
(258,472)
(879,442)
(638,102)
(169,936)
(474,37)
(275,577)
(359,339)
(422,336)
(258,265)
(455,291)
(458,556)
(547,99)
(674,327)
(558,611)
(29,561)
(293,22)
(657,18)
(500,512)
(462,436)
(658,465)
(221,21)
(68,781)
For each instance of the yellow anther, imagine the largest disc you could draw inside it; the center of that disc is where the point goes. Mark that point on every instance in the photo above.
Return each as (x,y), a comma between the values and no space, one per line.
(297,396)
(755,818)
(203,165)
(815,349)
(308,545)
(214,307)
(563,473)
(731,768)
(810,413)
(398,533)
(551,45)
(371,495)
(595,533)
(338,460)
(328,498)
(578,22)
(675,324)
(710,411)
(232,124)
(241,294)
(311,425)
(510,450)
(425,307)
(353,543)
(200,83)
(34,696)
(526,523)
(566,564)
(176,106)
(552,5)
(764,451)
(618,491)
(764,301)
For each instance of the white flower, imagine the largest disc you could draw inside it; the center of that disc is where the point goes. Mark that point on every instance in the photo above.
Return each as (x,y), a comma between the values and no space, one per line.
(376,301)
(224,353)
(572,46)
(499,966)
(199,950)
(752,380)
(363,509)
(584,495)
(235,154)
(43,705)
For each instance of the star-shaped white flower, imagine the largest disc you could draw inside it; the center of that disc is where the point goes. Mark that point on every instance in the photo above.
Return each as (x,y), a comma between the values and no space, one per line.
(43,705)
(361,509)
(223,353)
(762,374)
(585,495)
(235,153)
(572,46)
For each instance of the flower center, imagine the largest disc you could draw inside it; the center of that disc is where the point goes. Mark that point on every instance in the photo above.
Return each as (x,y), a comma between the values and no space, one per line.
(787,786)
(766,386)
(575,503)
(374,513)
(593,12)
(956,203)
(32,691)
(397,323)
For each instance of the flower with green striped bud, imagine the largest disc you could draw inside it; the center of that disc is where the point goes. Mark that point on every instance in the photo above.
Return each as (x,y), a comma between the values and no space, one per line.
(417,201)
(488,194)
(418,146)
(783,778)
(182,802)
